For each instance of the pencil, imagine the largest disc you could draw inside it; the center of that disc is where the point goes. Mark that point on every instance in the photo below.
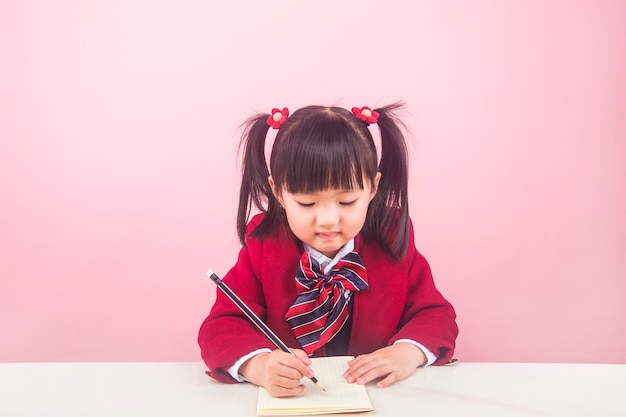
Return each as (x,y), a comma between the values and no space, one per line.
(255,319)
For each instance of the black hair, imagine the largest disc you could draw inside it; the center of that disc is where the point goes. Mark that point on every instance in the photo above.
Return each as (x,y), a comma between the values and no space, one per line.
(328,147)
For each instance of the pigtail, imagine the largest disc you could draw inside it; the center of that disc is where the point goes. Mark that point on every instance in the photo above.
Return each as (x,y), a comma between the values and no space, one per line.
(389,211)
(255,190)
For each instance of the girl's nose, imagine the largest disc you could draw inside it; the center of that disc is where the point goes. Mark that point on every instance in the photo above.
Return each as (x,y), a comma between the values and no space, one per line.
(327,215)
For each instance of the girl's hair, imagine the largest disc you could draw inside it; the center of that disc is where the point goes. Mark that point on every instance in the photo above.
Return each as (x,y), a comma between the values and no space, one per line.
(327,147)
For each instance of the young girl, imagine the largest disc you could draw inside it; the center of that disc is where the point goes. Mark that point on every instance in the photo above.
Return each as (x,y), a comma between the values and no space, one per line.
(330,262)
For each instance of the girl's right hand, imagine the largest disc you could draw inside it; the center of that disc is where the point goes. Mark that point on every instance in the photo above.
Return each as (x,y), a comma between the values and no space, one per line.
(279,372)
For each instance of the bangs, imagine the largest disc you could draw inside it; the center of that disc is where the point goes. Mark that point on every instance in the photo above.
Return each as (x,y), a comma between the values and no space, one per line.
(322,154)
(323,169)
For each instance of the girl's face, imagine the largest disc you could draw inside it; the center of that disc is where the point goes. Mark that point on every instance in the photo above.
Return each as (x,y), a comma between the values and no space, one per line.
(328,219)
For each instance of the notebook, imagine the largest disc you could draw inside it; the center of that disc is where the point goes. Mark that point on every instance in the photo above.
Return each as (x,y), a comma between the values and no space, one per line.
(340,397)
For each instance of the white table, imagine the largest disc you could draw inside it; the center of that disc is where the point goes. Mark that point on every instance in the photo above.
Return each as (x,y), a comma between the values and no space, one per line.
(182,389)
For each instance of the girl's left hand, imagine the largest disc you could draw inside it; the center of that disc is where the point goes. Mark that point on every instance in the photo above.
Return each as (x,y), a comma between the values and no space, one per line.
(392,363)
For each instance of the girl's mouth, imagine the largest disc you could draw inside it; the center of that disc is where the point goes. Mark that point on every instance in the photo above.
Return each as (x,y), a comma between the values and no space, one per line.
(327,235)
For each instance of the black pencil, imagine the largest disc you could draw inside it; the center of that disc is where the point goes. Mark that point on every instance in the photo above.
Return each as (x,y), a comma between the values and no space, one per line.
(255,319)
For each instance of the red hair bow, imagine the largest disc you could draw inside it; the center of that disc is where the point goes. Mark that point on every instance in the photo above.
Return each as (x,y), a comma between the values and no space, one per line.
(366,114)
(278,117)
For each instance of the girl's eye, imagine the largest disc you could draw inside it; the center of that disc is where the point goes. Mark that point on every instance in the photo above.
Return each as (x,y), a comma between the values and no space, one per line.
(347,203)
(305,204)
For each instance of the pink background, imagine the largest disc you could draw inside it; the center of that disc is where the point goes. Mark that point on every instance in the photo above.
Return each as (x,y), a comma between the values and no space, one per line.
(119,123)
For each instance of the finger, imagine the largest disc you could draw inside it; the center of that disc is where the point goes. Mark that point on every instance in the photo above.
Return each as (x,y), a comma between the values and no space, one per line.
(278,391)
(289,373)
(300,363)
(388,380)
(302,355)
(370,370)
(357,368)
(285,365)
(370,375)
(285,382)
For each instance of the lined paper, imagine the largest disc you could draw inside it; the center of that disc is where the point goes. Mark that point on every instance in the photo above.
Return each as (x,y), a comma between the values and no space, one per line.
(339,397)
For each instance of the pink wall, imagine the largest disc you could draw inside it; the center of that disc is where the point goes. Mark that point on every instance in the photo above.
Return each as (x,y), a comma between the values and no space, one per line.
(118,130)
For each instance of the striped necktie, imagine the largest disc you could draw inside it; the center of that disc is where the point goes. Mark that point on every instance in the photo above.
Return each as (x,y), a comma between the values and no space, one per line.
(321,309)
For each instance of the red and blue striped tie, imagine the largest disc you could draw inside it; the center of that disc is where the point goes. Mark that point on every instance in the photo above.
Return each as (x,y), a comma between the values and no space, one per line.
(321,309)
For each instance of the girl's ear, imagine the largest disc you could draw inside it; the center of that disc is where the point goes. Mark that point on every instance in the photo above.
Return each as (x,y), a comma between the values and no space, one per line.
(270,180)
(375,185)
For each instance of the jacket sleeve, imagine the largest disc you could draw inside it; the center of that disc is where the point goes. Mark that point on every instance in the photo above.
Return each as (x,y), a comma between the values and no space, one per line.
(227,334)
(428,318)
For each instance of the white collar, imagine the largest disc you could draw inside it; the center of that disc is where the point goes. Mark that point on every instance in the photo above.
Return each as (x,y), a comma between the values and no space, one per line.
(325,262)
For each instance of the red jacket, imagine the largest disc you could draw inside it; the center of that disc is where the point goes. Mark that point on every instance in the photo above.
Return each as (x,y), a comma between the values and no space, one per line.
(402,302)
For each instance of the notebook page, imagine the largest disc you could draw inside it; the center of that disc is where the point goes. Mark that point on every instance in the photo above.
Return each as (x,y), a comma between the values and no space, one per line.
(339,397)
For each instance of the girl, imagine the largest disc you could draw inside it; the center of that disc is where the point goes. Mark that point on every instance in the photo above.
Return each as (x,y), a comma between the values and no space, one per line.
(330,262)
